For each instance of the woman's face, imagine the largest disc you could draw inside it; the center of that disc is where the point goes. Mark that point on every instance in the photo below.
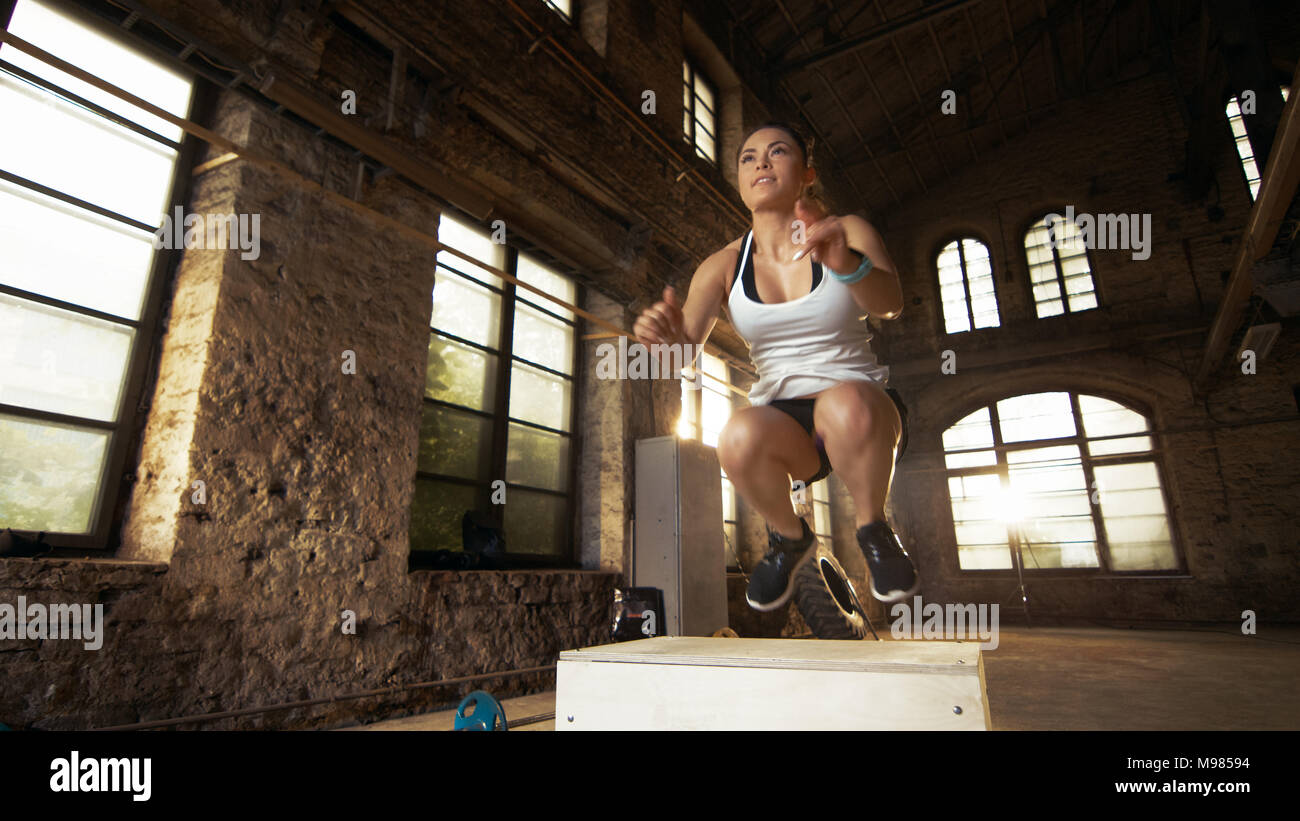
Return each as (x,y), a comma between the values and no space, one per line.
(771,171)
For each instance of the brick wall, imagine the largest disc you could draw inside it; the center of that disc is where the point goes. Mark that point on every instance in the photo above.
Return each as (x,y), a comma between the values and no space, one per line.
(1231,483)
(308,472)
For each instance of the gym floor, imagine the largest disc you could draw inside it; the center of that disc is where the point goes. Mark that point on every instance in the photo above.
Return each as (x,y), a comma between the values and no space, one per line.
(1094,678)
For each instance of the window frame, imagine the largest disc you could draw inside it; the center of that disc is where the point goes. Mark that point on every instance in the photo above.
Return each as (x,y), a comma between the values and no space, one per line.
(500,417)
(127,430)
(568,17)
(1153,455)
(958,237)
(1251,191)
(1028,226)
(697,433)
(690,137)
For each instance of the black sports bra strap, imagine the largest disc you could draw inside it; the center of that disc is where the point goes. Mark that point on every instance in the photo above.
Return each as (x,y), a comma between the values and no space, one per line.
(746,269)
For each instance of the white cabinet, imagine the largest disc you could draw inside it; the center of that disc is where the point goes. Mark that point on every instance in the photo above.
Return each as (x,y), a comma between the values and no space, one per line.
(678,545)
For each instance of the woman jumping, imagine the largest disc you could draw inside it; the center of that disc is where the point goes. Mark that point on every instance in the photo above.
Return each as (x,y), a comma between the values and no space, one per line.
(797,287)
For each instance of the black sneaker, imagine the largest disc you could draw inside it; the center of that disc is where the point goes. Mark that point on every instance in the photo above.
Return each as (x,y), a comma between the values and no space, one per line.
(772,582)
(893,576)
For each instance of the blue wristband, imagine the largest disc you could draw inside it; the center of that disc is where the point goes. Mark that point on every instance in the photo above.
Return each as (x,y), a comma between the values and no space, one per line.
(863,269)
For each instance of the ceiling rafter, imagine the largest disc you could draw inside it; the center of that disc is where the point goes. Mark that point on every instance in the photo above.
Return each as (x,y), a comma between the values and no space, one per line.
(910,116)
(911,82)
(1059,77)
(1040,28)
(947,74)
(816,57)
(979,55)
(848,118)
(1020,75)
(884,108)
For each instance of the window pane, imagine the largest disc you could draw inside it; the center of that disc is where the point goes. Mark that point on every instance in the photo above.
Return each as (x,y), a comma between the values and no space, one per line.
(1083,302)
(61,251)
(1043,273)
(1047,292)
(728,499)
(46,140)
(717,410)
(981,534)
(973,431)
(466,310)
(1061,544)
(538,458)
(954,294)
(1073,265)
(105,58)
(475,243)
(984,558)
(975,252)
(1050,495)
(714,366)
(460,374)
(454,442)
(686,423)
(535,523)
(702,91)
(543,339)
(705,144)
(49,475)
(564,7)
(958,323)
(436,511)
(539,397)
(1102,417)
(536,274)
(59,361)
(950,275)
(1133,510)
(1050,308)
(1036,416)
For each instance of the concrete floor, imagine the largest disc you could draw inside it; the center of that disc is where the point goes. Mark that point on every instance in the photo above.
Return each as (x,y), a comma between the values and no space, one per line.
(1096,678)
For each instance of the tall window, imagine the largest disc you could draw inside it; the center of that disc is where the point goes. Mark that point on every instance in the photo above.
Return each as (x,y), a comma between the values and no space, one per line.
(705,411)
(485,423)
(966,286)
(1070,479)
(698,107)
(563,7)
(1238,125)
(1058,267)
(84,181)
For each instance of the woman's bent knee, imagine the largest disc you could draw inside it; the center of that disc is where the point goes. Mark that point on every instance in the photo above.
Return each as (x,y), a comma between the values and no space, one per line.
(754,435)
(857,412)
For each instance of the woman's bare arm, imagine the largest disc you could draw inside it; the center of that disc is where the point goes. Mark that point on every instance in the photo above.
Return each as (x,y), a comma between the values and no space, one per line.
(880,292)
(670,322)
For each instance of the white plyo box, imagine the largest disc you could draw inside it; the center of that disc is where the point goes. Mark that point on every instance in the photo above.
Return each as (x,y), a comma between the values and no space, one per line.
(693,683)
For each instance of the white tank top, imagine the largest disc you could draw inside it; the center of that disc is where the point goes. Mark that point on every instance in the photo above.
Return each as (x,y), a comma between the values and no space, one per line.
(805,345)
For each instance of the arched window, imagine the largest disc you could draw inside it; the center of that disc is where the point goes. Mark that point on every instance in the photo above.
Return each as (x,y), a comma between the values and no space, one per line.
(1238,125)
(966,286)
(1058,267)
(1065,480)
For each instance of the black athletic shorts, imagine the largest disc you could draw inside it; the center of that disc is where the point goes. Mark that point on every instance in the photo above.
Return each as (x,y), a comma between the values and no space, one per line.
(802,412)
